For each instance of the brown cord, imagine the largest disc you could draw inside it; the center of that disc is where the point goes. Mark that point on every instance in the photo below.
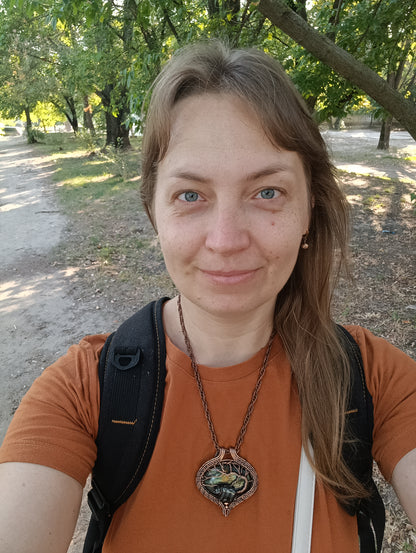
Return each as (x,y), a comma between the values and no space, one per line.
(254,396)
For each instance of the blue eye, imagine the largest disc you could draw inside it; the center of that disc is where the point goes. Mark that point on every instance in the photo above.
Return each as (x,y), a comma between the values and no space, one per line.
(189,196)
(268,193)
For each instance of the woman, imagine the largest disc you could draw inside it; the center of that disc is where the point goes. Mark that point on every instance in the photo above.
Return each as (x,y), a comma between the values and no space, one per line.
(253,228)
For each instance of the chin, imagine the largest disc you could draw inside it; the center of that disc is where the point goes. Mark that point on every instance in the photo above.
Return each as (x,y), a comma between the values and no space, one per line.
(231,305)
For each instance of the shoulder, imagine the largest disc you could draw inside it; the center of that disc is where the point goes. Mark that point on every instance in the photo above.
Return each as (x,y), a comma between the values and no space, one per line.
(73,370)
(391,380)
(387,368)
(88,347)
(379,354)
(57,420)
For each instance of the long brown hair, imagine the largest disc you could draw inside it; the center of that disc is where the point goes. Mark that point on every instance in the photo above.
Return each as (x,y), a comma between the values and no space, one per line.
(303,307)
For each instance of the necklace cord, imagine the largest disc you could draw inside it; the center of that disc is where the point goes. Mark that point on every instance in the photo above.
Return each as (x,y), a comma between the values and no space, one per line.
(254,396)
(197,377)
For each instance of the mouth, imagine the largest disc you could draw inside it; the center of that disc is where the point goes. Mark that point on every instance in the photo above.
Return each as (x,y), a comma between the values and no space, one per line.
(229,277)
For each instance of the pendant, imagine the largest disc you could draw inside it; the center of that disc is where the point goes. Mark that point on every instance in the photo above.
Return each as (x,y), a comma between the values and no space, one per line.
(227,481)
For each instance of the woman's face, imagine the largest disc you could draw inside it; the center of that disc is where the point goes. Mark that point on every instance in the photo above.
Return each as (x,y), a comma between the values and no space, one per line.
(230,208)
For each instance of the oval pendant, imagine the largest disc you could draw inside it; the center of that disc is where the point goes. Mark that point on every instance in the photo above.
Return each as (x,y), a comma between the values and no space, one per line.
(227,481)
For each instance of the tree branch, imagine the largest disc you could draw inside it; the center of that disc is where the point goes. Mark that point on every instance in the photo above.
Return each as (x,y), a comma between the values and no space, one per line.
(244,18)
(341,62)
(171,25)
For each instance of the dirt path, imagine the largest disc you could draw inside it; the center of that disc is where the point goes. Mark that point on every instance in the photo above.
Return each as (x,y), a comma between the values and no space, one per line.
(351,148)
(42,308)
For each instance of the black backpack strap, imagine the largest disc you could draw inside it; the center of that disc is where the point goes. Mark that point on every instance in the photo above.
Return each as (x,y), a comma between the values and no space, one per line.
(132,377)
(357,451)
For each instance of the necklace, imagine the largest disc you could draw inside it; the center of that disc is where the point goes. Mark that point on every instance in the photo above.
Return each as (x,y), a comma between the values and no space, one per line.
(227,479)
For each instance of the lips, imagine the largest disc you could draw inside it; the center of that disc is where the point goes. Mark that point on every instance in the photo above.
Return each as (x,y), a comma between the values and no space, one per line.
(229,277)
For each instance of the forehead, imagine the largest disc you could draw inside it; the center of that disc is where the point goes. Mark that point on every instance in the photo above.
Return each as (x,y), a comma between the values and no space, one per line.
(220,133)
(212,111)
(213,125)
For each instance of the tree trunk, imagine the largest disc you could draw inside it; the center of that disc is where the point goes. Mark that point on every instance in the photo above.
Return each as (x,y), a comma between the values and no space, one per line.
(334,19)
(300,8)
(213,8)
(384,140)
(117,134)
(28,119)
(31,139)
(340,61)
(71,113)
(88,122)
(129,17)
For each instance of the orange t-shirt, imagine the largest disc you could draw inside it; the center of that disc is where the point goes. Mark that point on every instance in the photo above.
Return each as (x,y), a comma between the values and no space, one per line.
(57,422)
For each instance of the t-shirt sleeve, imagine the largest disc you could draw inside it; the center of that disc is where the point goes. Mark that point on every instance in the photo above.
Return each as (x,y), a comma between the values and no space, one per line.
(391,381)
(57,420)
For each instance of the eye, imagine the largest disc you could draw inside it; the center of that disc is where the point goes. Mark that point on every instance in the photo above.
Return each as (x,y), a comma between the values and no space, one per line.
(268,193)
(189,196)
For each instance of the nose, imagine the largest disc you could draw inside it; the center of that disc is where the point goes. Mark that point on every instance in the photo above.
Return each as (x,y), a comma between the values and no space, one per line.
(227,231)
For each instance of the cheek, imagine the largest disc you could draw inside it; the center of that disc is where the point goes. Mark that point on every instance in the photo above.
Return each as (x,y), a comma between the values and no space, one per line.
(175,243)
(284,234)
(167,243)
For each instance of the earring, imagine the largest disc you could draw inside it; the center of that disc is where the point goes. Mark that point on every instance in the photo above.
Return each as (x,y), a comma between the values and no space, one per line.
(305,244)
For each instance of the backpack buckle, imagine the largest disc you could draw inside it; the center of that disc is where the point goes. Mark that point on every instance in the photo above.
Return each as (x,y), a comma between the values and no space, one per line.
(126,359)
(98,504)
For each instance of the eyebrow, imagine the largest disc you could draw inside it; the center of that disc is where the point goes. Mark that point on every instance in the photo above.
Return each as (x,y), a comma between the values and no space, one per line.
(189,176)
(256,175)
(267,171)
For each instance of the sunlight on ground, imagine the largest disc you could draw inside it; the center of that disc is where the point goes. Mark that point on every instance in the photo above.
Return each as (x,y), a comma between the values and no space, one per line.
(79,181)
(361,169)
(14,293)
(21,199)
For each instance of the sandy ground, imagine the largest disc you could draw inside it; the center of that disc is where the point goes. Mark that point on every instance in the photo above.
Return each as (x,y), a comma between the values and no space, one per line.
(355,144)
(44,308)
(42,311)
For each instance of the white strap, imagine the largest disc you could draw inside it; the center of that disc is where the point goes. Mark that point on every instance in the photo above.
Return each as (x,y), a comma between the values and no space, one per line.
(305,495)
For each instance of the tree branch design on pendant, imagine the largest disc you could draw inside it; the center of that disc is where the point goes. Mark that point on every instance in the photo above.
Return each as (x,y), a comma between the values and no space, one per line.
(227,481)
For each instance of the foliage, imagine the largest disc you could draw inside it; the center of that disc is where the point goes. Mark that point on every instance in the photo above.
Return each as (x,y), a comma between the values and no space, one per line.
(22,74)
(47,114)
(380,33)
(65,53)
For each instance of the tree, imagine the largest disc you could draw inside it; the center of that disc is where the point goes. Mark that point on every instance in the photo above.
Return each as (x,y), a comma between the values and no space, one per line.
(34,59)
(23,75)
(341,61)
(46,114)
(115,48)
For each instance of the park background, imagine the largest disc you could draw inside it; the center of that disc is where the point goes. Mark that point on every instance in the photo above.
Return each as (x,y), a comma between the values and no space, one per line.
(78,255)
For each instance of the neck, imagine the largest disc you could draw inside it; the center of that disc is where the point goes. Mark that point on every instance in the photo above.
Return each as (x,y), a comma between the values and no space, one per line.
(218,341)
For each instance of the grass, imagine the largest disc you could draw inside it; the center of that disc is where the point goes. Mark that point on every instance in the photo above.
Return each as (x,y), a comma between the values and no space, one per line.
(374,202)
(85,176)
(110,235)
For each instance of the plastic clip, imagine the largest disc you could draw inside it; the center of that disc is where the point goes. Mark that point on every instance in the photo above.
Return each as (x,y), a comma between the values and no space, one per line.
(99,506)
(125,361)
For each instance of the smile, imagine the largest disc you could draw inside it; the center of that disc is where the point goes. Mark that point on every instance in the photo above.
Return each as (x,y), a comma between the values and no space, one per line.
(229,277)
